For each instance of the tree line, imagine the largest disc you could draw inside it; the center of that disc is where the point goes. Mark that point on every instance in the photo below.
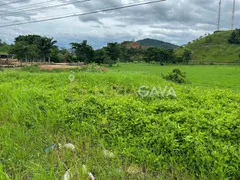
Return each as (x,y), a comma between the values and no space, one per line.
(43,49)
(4,47)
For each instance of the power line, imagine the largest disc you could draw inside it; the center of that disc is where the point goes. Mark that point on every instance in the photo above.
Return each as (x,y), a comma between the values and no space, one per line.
(84,13)
(13,2)
(33,5)
(43,8)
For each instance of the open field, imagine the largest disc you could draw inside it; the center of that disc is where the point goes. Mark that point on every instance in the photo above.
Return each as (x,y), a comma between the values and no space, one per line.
(194,135)
(202,76)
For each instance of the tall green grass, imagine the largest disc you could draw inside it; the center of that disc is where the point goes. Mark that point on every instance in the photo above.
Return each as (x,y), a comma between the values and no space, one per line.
(206,77)
(192,136)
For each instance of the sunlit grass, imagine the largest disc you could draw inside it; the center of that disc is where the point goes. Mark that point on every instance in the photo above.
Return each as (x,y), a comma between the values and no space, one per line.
(195,135)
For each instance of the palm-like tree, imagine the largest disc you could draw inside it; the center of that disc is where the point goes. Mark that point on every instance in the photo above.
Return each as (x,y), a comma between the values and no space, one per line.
(45,46)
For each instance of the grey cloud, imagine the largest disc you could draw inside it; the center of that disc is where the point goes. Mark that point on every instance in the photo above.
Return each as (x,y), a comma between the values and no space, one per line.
(175,21)
(90,18)
(121,25)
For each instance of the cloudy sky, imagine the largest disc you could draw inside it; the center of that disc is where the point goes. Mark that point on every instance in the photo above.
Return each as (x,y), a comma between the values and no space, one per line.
(175,21)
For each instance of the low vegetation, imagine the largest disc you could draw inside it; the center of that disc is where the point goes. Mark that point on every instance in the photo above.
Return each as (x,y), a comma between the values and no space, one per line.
(176,76)
(117,133)
(219,47)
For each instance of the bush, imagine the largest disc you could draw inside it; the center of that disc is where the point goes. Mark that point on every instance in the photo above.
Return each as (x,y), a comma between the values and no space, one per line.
(235,37)
(176,76)
(33,68)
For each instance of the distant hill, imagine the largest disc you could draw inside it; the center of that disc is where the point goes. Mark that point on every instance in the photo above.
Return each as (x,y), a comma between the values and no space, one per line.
(156,43)
(212,48)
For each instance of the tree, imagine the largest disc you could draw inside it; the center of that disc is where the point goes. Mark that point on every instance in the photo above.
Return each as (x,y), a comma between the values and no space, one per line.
(34,47)
(159,55)
(151,55)
(19,50)
(108,60)
(83,51)
(32,52)
(131,54)
(187,55)
(235,37)
(45,46)
(113,51)
(24,51)
(29,39)
(99,56)
(56,55)
(67,55)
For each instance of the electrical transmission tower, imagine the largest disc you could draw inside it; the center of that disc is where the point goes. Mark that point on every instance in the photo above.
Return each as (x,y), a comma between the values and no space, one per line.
(219,15)
(233,14)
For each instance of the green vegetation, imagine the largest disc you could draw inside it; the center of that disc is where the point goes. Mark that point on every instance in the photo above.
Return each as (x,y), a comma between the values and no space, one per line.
(187,55)
(218,48)
(214,48)
(192,136)
(4,47)
(35,48)
(83,52)
(159,55)
(157,43)
(176,76)
(235,37)
(206,77)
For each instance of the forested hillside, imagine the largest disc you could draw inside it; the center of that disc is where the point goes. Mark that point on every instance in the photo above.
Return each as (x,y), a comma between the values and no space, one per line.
(157,43)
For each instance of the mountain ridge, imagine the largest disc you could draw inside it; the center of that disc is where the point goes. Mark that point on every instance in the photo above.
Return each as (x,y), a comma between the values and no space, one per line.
(157,43)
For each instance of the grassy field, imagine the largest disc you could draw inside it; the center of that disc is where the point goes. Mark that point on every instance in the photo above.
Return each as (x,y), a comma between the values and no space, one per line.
(202,76)
(117,133)
(217,50)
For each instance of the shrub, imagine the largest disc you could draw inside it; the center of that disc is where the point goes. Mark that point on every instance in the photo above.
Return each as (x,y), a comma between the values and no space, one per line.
(33,68)
(176,76)
(235,37)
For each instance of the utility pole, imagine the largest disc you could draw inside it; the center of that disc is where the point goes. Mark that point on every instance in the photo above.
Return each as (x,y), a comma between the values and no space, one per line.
(233,14)
(219,15)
